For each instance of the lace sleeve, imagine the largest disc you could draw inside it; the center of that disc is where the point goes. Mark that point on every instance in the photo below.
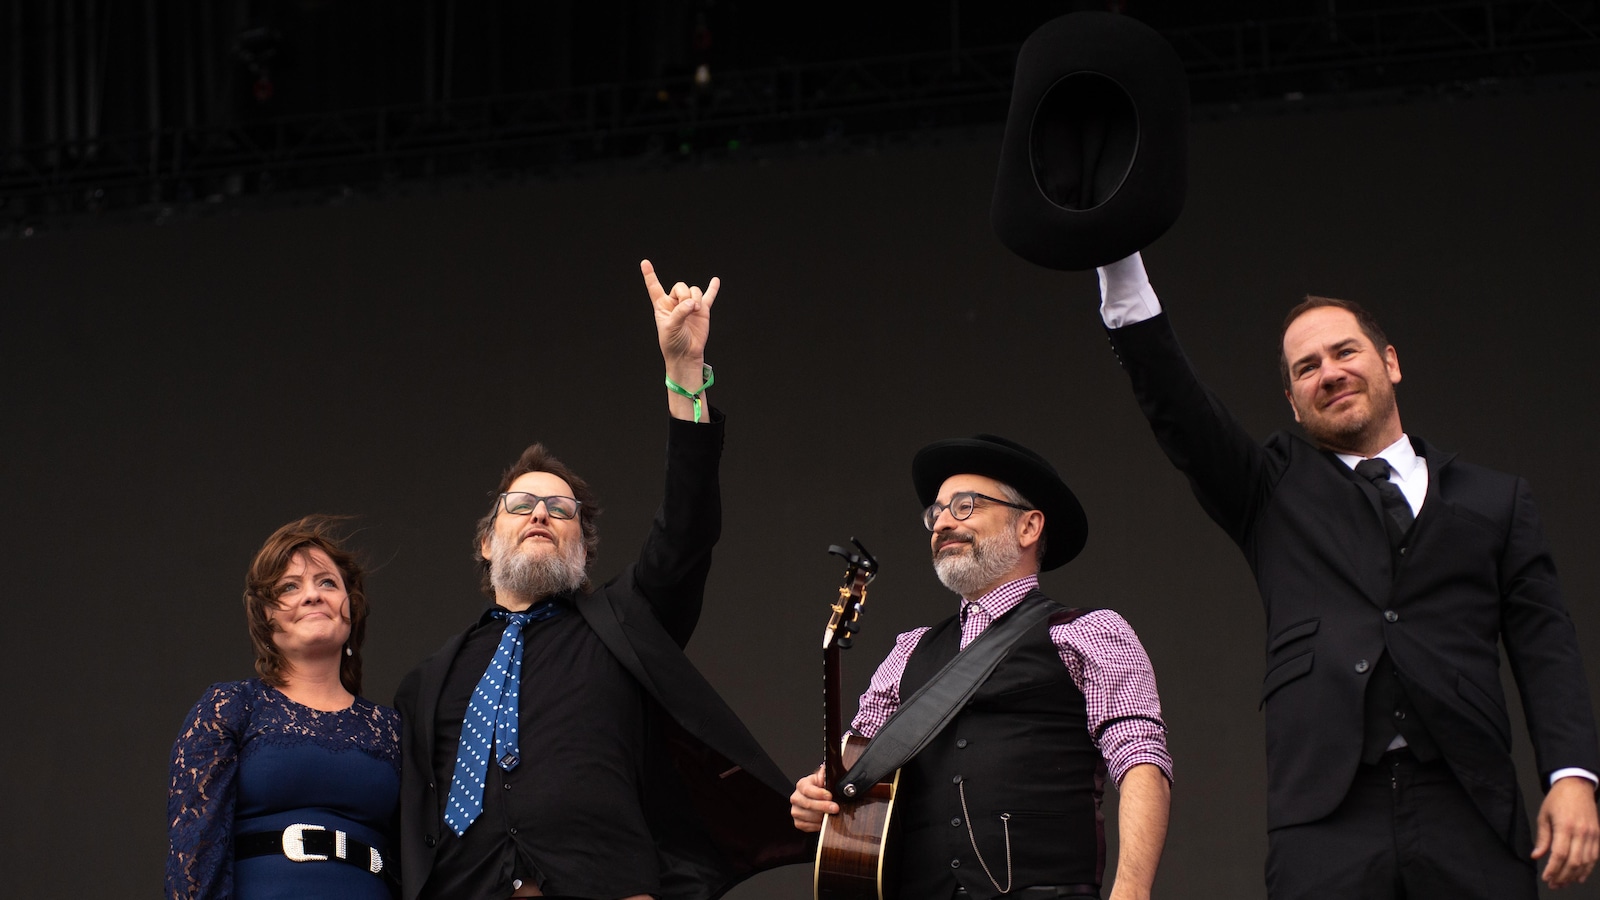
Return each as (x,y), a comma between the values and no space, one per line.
(200,801)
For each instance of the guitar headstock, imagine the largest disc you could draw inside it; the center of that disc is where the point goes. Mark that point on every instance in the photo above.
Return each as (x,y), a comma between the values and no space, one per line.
(860,569)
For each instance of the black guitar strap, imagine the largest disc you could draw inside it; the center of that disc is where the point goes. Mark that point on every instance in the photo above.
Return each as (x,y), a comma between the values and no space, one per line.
(936,703)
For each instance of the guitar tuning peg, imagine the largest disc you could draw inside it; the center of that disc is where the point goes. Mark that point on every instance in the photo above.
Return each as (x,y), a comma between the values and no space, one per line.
(843,642)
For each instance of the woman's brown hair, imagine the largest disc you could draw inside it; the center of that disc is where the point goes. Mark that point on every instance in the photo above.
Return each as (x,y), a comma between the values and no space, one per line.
(260,594)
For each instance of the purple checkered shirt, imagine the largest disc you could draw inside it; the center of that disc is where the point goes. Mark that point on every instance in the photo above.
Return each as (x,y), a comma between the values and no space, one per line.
(1101,653)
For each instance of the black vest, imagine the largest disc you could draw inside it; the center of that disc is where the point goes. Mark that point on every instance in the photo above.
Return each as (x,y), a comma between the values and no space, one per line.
(1020,748)
(1386,708)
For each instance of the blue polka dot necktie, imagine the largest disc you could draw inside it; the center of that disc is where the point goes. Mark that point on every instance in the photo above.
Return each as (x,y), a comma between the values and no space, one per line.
(491,720)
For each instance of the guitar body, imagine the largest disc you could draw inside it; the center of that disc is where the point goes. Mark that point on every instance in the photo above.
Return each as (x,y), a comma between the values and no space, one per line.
(854,845)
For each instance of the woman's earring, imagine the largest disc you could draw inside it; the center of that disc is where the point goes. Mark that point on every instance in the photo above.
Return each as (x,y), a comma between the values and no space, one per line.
(349,652)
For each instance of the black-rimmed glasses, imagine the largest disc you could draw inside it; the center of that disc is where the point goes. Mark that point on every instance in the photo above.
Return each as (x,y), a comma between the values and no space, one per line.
(521,503)
(961,506)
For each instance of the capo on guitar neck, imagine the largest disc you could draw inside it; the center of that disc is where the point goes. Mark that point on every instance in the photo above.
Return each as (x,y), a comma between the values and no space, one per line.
(862,560)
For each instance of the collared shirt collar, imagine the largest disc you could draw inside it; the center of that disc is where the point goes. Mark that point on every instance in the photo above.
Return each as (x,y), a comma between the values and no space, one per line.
(1407,470)
(1400,456)
(999,601)
(564,599)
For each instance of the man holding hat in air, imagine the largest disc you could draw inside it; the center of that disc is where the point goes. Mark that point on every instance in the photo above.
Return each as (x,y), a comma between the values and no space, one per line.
(1391,572)
(1003,797)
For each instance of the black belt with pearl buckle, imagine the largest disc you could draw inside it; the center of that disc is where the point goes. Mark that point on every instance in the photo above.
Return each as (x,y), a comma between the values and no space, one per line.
(310,843)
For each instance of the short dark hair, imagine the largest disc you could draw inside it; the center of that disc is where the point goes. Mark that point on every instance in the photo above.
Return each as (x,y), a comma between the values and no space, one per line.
(1015,496)
(538,459)
(261,594)
(1369,326)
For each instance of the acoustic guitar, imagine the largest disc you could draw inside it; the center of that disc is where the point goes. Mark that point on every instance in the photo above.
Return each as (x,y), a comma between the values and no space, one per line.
(851,858)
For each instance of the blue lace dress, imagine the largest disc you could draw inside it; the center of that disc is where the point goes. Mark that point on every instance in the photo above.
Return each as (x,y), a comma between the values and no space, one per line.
(250,760)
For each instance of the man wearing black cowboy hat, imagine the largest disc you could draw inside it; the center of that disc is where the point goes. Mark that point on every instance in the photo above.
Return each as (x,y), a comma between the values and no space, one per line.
(1004,798)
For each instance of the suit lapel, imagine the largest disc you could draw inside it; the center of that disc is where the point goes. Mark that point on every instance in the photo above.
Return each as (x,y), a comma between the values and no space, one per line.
(599,612)
(1366,487)
(429,687)
(1376,566)
(1432,500)
(1367,549)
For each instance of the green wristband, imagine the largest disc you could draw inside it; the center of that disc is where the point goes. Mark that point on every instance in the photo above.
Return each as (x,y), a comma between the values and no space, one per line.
(680,390)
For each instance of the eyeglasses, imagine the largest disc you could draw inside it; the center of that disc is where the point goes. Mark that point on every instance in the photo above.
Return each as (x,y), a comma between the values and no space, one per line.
(961,506)
(520,503)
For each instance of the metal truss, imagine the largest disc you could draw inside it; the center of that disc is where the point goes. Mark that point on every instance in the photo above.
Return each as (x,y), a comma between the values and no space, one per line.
(654,122)
(1233,67)
(1403,47)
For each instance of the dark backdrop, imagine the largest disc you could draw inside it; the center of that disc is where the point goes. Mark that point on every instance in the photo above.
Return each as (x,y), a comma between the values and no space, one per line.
(174,393)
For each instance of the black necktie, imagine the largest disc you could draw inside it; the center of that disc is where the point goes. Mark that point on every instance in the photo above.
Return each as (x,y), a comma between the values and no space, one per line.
(1397,517)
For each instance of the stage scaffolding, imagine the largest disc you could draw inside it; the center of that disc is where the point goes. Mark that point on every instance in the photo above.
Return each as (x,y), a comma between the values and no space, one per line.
(182,163)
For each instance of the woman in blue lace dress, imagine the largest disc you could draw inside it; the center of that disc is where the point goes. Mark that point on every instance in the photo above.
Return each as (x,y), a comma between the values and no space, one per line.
(287,785)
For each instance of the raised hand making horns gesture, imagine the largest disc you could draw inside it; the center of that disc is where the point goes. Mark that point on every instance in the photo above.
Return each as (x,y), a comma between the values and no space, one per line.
(683,324)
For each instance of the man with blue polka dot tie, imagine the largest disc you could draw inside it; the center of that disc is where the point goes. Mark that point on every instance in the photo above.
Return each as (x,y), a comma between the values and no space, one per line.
(490,728)
(564,745)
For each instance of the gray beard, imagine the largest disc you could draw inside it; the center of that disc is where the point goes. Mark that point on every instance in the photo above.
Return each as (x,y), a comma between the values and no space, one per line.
(533,578)
(985,563)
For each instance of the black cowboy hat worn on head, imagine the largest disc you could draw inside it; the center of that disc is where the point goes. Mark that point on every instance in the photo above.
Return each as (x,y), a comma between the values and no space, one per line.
(1027,472)
(1093,165)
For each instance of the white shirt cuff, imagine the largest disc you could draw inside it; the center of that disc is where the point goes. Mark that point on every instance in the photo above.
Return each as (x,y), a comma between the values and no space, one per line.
(1125,293)
(1559,774)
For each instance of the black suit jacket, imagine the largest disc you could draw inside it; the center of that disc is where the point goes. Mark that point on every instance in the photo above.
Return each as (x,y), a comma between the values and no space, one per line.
(717,804)
(1476,573)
